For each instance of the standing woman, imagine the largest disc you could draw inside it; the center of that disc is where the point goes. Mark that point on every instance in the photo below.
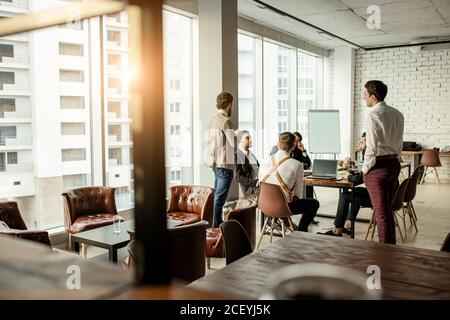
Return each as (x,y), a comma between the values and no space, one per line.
(384,141)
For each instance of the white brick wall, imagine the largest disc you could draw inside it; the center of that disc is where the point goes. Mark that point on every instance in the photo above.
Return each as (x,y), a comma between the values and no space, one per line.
(418,86)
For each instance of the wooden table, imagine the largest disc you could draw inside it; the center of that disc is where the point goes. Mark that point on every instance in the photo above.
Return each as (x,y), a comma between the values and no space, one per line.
(406,273)
(104,237)
(339,184)
(29,270)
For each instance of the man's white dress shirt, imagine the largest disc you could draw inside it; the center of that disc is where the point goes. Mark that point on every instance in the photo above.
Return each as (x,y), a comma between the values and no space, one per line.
(384,133)
(291,171)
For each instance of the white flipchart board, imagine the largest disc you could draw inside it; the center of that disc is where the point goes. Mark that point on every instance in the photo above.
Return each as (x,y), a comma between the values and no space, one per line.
(324,131)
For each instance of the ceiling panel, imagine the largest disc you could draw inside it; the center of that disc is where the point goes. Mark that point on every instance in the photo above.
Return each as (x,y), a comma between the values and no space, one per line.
(402,21)
(306,7)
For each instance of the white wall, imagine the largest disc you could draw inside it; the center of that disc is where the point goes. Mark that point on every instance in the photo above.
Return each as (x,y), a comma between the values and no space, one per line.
(344,65)
(418,86)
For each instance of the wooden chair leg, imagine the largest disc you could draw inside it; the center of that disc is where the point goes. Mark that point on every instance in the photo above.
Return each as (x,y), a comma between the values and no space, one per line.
(413,211)
(271,230)
(398,227)
(413,219)
(262,232)
(283,229)
(69,243)
(291,224)
(84,250)
(424,174)
(369,227)
(208,263)
(437,176)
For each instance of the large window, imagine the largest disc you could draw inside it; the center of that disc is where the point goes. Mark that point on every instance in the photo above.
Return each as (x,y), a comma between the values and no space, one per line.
(178,97)
(276,92)
(246,71)
(306,91)
(278,84)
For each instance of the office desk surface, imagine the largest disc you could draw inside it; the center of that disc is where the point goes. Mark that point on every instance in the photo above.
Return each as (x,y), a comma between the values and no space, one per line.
(406,273)
(329,183)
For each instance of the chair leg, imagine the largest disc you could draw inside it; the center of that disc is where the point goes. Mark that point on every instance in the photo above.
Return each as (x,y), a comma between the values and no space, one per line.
(424,174)
(271,230)
(412,216)
(262,232)
(283,229)
(291,224)
(437,176)
(404,220)
(208,262)
(84,250)
(369,227)
(398,227)
(69,243)
(413,211)
(373,230)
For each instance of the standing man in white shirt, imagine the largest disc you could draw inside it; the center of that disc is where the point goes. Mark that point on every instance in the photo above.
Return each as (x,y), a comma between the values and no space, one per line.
(289,175)
(384,142)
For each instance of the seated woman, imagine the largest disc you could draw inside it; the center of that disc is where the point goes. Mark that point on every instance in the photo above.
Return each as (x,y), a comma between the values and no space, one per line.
(344,217)
(344,214)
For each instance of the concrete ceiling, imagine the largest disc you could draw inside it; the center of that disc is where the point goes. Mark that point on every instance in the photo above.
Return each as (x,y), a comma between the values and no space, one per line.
(402,21)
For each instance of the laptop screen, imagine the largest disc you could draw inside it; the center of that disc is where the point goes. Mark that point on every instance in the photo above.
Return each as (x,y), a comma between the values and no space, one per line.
(324,167)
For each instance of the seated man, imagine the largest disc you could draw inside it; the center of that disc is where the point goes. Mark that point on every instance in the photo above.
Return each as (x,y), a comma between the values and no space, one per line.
(247,166)
(290,178)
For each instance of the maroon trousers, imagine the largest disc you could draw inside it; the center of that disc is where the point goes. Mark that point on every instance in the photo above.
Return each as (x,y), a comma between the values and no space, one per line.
(380,182)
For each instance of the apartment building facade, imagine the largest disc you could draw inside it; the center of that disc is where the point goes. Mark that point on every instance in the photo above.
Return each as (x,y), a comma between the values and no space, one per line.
(59,129)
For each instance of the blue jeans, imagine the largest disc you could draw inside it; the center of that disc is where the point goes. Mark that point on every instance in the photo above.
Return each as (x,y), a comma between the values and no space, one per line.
(222,183)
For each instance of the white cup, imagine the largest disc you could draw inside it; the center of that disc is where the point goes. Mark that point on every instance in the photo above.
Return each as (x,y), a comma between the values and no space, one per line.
(318,281)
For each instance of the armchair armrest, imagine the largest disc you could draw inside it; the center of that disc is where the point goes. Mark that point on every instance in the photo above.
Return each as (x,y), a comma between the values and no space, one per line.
(40,236)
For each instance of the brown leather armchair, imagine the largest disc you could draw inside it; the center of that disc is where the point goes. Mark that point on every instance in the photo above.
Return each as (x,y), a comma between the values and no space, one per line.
(10,214)
(245,214)
(187,251)
(190,204)
(88,208)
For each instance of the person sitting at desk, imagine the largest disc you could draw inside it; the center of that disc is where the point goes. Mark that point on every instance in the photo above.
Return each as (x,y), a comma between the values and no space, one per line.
(343,219)
(247,166)
(298,153)
(290,178)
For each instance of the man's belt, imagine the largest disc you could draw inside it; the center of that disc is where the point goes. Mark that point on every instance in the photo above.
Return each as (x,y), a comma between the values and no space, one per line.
(387,157)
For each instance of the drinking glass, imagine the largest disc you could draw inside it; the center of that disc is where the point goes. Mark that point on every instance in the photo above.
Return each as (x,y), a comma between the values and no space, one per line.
(116,223)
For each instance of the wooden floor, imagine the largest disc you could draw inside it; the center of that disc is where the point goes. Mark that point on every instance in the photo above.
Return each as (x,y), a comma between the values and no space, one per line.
(432,205)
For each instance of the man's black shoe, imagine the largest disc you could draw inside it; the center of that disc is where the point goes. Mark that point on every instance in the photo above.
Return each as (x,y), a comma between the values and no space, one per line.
(347,231)
(330,233)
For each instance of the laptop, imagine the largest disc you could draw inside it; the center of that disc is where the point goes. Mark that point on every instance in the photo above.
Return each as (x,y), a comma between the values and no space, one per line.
(324,169)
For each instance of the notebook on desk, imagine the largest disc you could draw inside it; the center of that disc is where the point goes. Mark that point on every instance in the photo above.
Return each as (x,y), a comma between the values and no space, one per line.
(324,169)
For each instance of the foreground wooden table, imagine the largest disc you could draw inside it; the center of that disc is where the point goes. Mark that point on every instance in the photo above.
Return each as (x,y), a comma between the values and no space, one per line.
(406,273)
(30,271)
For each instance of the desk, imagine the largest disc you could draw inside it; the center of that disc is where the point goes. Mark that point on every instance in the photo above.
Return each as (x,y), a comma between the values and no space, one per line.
(406,273)
(341,184)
